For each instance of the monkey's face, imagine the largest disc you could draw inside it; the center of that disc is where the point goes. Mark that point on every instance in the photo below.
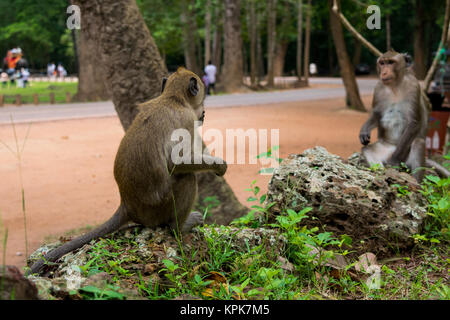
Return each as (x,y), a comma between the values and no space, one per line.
(386,71)
(391,67)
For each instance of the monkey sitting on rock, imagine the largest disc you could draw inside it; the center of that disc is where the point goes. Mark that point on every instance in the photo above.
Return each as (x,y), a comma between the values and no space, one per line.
(153,190)
(400,113)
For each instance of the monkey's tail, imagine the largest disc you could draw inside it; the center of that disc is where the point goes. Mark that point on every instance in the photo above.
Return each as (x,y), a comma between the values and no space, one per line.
(443,172)
(118,219)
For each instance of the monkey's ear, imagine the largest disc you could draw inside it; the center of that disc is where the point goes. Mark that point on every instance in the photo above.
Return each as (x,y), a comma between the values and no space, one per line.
(164,80)
(193,87)
(408,59)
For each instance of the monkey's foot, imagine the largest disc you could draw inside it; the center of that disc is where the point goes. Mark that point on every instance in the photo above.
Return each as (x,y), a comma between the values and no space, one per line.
(195,218)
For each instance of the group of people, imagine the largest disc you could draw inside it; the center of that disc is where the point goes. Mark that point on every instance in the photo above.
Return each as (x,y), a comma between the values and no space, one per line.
(53,71)
(14,68)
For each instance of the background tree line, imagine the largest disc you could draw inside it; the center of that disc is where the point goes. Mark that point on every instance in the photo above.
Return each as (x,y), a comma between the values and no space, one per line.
(266,33)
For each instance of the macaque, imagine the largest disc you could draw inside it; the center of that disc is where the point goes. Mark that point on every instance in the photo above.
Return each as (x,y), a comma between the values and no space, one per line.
(399,112)
(153,190)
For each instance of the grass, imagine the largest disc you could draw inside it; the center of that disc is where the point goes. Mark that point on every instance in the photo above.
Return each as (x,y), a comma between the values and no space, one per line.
(43,89)
(18,155)
(218,266)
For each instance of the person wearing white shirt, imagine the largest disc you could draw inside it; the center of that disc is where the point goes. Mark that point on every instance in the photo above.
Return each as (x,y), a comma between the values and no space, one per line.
(211,71)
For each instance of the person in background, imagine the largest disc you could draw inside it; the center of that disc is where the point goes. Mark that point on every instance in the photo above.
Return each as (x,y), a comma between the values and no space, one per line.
(211,71)
(51,69)
(25,75)
(206,82)
(4,79)
(61,71)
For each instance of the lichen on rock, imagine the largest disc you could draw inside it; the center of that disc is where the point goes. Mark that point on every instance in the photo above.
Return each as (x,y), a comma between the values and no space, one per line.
(348,199)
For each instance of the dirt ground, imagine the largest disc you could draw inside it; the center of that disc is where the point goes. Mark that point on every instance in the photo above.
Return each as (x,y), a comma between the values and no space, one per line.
(67,165)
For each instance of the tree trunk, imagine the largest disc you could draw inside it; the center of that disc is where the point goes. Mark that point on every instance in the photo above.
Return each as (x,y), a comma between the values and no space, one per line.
(283,40)
(134,71)
(299,38)
(253,31)
(346,68)
(91,71)
(271,40)
(280,55)
(259,49)
(207,32)
(357,52)
(419,38)
(307,44)
(217,40)
(232,72)
(388,32)
(189,39)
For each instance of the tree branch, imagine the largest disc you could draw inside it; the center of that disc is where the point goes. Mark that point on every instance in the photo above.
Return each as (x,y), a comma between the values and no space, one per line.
(355,33)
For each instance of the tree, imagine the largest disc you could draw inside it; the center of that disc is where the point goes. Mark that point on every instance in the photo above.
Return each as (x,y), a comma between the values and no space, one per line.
(232,72)
(253,30)
(207,32)
(271,40)
(91,72)
(284,31)
(347,71)
(299,38)
(217,38)
(419,39)
(134,71)
(307,44)
(189,38)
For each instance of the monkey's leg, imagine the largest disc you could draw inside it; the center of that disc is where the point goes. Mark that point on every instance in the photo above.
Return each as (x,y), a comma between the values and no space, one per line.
(184,193)
(194,219)
(416,159)
(377,153)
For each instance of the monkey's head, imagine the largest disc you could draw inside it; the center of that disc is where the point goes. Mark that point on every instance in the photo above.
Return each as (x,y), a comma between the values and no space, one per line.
(188,86)
(391,67)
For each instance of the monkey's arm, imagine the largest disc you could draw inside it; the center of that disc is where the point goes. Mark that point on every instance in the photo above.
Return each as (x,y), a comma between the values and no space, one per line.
(372,122)
(209,163)
(364,133)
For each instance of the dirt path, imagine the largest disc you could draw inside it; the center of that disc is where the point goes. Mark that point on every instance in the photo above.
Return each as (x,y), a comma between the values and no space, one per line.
(67,165)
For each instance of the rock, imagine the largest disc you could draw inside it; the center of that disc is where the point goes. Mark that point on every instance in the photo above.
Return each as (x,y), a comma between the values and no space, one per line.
(14,286)
(352,200)
(146,250)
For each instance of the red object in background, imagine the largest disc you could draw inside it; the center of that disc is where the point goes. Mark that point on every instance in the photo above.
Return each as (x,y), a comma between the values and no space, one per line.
(437,129)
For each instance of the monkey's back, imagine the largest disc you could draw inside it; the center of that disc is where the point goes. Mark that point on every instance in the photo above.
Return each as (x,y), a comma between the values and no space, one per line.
(142,165)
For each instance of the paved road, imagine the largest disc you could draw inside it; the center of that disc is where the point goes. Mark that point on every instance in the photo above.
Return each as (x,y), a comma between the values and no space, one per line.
(31,113)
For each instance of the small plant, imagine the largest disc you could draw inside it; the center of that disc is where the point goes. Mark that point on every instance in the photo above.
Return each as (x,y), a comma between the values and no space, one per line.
(94,293)
(258,213)
(18,155)
(269,155)
(402,190)
(437,192)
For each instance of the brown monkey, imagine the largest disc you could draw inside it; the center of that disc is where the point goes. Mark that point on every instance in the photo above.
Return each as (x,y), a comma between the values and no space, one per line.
(154,191)
(400,113)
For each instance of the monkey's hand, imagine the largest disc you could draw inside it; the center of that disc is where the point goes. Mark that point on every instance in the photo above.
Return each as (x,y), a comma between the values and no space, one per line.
(364,137)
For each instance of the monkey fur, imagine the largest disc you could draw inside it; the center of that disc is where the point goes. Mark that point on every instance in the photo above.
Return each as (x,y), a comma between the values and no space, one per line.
(400,113)
(154,191)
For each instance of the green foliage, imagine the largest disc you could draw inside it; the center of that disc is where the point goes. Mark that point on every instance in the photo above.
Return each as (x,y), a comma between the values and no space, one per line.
(42,89)
(437,192)
(39,28)
(94,293)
